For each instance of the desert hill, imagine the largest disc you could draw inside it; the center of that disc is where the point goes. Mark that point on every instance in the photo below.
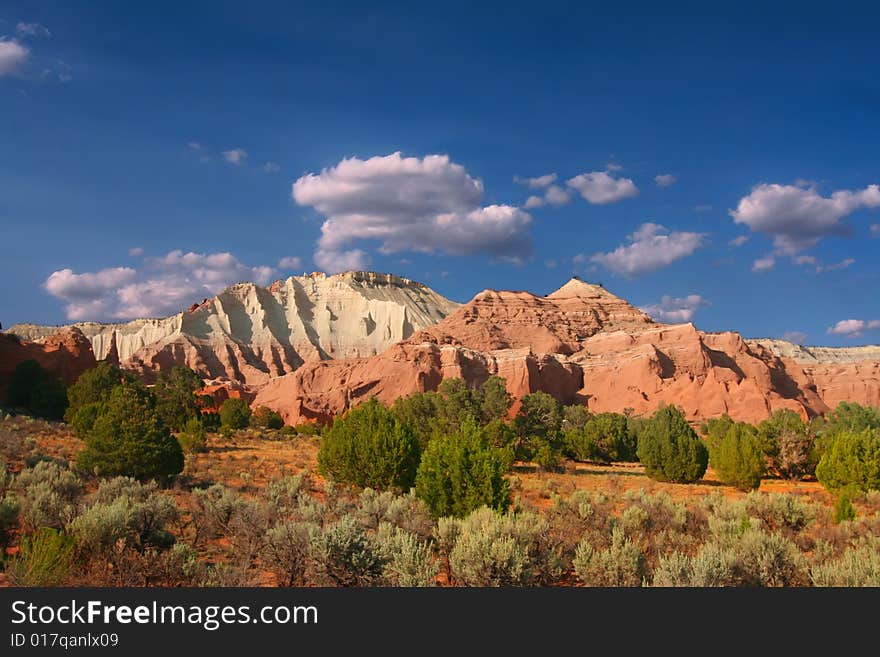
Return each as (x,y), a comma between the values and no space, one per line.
(313,346)
(250,333)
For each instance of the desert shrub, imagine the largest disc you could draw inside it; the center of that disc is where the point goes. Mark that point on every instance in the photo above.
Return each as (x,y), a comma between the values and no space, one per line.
(246,530)
(582,515)
(621,564)
(781,422)
(649,514)
(602,438)
(129,439)
(670,450)
(538,429)
(33,388)
(215,508)
(796,456)
(265,417)
(193,439)
(779,511)
(370,447)
(346,556)
(283,494)
(843,509)
(235,413)
(9,508)
(45,558)
(47,495)
(176,399)
(752,558)
(858,566)
(737,457)
(461,472)
(406,512)
(494,549)
(408,559)
(125,510)
(851,461)
(287,551)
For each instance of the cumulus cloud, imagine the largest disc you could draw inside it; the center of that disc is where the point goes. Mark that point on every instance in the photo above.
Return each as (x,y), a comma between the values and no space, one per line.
(765,263)
(162,286)
(854,328)
(12,56)
(425,204)
(664,180)
(32,30)
(798,337)
(555,195)
(600,187)
(236,156)
(651,247)
(675,310)
(536,183)
(797,217)
(290,262)
(738,241)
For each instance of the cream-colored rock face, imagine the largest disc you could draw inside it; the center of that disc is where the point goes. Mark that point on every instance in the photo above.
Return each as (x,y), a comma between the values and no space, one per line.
(275,329)
(829,355)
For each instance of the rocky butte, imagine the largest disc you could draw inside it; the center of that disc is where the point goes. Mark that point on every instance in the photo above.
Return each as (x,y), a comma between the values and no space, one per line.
(313,346)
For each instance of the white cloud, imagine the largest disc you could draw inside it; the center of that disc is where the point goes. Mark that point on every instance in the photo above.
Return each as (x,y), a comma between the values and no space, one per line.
(194,146)
(407,204)
(613,167)
(854,328)
(664,179)
(600,187)
(875,230)
(163,286)
(32,30)
(798,217)
(837,266)
(12,56)
(652,247)
(270,167)
(555,195)
(290,262)
(675,310)
(136,252)
(551,263)
(236,156)
(804,260)
(739,241)
(536,183)
(798,337)
(765,263)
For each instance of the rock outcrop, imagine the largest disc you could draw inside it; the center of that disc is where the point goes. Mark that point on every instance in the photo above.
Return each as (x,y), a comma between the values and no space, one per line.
(251,334)
(583,344)
(65,354)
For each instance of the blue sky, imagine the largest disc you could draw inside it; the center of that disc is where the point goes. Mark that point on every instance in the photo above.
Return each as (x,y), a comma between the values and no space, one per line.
(180,131)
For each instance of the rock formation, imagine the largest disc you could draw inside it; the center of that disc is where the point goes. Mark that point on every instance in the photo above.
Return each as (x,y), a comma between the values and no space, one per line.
(313,346)
(65,354)
(583,344)
(250,333)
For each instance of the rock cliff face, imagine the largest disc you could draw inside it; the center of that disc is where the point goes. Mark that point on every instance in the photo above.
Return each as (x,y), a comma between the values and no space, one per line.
(313,346)
(65,354)
(251,334)
(584,345)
